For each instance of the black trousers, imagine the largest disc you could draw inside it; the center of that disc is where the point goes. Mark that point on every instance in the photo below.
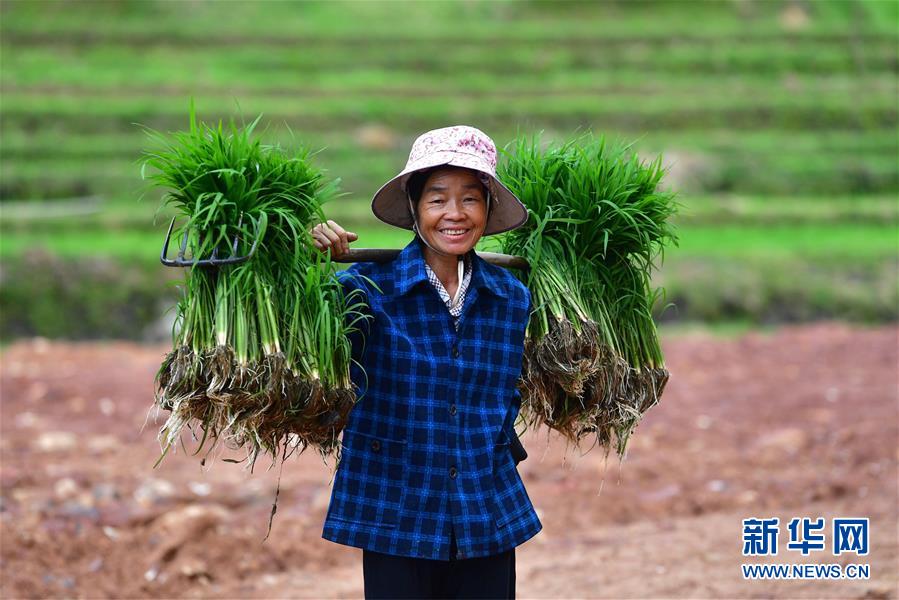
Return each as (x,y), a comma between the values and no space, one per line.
(484,577)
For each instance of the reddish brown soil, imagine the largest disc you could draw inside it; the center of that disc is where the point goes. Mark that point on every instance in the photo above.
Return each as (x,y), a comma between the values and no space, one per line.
(801,422)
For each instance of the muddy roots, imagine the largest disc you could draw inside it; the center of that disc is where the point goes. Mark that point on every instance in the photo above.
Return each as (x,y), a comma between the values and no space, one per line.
(574,383)
(258,408)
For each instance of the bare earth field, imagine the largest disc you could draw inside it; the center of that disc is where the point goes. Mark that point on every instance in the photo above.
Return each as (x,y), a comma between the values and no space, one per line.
(801,422)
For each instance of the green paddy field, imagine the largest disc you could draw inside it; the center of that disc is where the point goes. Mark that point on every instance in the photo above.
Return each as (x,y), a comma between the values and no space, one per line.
(778,121)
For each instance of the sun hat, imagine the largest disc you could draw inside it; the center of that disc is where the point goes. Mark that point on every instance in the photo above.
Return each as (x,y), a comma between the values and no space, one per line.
(458,146)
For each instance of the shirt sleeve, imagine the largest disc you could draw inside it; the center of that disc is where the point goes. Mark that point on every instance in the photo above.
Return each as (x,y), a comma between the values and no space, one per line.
(516,447)
(351,282)
(513,413)
(530,306)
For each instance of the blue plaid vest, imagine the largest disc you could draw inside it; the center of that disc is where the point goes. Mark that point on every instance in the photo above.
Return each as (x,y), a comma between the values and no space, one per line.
(426,448)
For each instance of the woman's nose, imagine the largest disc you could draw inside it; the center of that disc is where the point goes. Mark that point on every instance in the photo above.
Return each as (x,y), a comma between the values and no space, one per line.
(454,208)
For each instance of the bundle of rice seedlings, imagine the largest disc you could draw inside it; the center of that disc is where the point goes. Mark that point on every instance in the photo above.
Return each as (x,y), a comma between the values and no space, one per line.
(598,220)
(260,356)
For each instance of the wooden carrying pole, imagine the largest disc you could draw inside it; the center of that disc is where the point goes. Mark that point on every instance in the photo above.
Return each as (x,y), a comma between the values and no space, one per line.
(383,255)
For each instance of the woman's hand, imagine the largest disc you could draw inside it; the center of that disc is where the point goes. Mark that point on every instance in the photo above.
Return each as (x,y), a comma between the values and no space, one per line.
(331,235)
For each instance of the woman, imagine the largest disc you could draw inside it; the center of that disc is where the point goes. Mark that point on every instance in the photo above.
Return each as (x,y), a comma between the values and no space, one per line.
(427,484)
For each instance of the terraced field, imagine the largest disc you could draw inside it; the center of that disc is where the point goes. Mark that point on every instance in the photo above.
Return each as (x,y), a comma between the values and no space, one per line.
(778,121)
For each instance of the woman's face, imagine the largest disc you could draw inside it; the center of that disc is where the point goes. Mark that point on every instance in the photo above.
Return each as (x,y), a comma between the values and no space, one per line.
(452,210)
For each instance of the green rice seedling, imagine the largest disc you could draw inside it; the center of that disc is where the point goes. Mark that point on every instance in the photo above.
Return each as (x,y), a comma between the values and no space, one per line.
(597,222)
(260,356)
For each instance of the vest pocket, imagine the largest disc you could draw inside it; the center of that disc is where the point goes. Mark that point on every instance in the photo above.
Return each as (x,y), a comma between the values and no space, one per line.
(370,485)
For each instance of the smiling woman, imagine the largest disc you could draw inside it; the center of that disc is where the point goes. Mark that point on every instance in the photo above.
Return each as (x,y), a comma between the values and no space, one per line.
(430,473)
(450,206)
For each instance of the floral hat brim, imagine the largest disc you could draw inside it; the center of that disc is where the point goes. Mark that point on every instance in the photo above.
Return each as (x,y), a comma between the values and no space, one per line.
(458,146)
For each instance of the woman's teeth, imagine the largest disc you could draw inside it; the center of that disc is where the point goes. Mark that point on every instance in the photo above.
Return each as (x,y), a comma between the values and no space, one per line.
(454,232)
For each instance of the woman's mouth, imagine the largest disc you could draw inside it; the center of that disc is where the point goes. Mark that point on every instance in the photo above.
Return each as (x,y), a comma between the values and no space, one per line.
(454,234)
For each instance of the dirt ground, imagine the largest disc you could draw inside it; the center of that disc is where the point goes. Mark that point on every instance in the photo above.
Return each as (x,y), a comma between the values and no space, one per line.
(800,422)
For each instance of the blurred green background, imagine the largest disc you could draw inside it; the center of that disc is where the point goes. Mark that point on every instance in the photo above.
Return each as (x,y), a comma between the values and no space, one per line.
(777,121)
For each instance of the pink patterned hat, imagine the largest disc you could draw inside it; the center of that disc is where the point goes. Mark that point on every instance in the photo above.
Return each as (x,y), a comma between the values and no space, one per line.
(458,146)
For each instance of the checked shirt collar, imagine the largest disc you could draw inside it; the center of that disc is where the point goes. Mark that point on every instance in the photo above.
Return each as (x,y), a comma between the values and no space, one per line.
(411,271)
(455,309)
